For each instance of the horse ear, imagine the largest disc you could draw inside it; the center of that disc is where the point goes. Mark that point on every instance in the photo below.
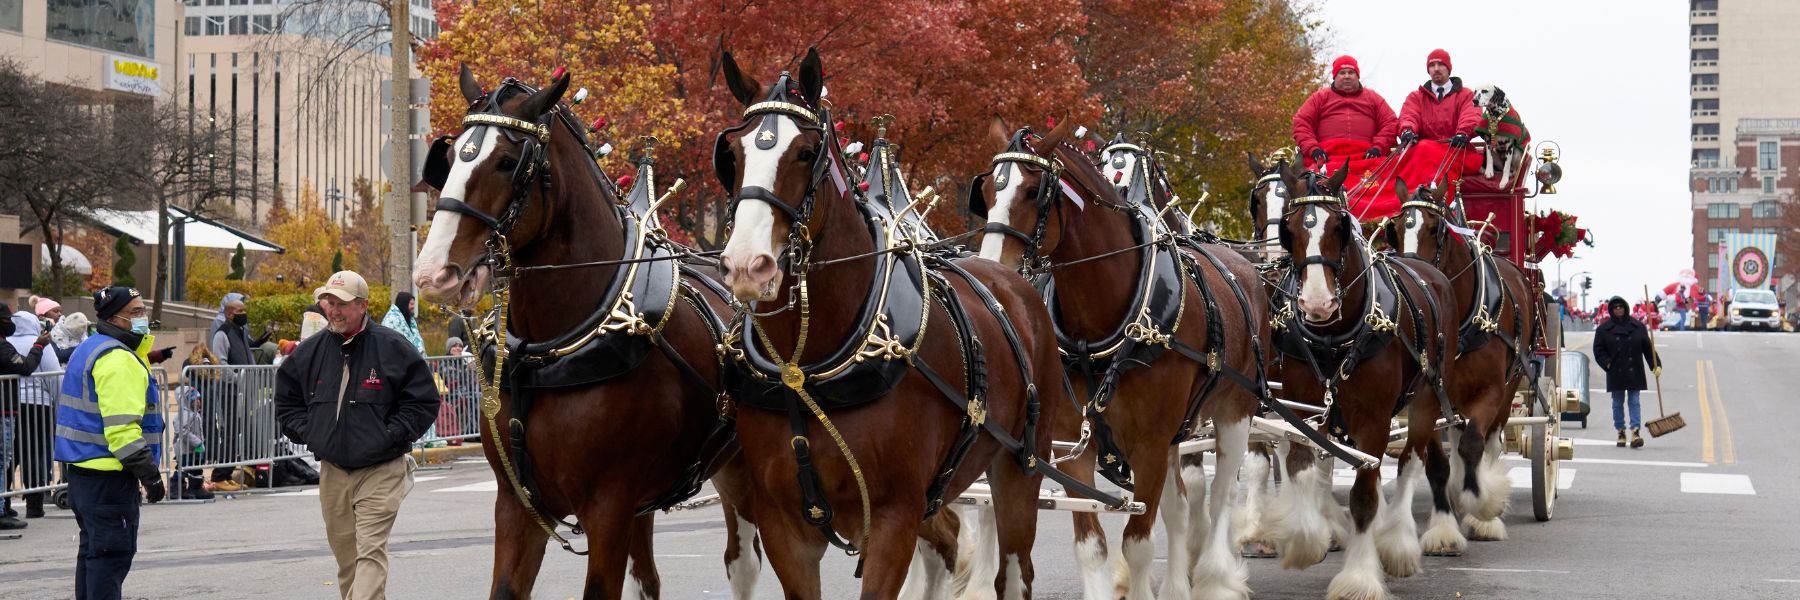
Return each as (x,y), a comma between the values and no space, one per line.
(1400,188)
(1256,166)
(742,86)
(812,75)
(1047,144)
(542,101)
(999,133)
(471,90)
(1338,177)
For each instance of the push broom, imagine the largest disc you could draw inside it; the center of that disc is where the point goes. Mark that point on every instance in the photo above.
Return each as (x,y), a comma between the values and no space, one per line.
(1669,422)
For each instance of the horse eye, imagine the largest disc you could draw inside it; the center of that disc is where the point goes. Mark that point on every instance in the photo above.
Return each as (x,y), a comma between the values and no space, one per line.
(1031,194)
(807,155)
(507,163)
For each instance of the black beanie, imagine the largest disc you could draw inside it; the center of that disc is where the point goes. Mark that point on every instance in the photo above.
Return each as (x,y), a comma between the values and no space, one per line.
(110,301)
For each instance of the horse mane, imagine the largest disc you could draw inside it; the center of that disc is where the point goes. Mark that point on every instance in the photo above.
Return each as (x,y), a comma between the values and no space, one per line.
(1088,177)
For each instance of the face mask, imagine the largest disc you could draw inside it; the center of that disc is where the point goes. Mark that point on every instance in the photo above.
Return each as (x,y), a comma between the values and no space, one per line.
(240,320)
(140,325)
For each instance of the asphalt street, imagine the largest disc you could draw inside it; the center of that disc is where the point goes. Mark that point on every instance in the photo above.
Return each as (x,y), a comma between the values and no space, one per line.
(1705,512)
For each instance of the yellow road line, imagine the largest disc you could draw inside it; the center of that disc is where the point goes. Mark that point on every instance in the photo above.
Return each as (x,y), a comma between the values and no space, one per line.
(1706,428)
(1729,453)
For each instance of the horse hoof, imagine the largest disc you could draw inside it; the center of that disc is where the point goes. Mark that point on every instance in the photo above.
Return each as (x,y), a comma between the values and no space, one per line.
(1336,545)
(1258,549)
(1446,552)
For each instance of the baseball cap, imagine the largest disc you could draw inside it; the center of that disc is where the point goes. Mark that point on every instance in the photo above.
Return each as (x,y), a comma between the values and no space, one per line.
(345,285)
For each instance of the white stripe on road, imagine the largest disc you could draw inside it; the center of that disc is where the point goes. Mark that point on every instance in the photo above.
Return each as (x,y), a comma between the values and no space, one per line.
(1716,483)
(311,492)
(1782,580)
(1621,461)
(1506,570)
(1521,478)
(425,479)
(485,486)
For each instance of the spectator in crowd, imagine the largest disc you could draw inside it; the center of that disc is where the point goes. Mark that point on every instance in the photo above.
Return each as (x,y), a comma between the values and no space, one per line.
(364,467)
(69,333)
(109,439)
(284,350)
(13,362)
(458,326)
(230,345)
(312,320)
(400,318)
(35,409)
(462,393)
(190,442)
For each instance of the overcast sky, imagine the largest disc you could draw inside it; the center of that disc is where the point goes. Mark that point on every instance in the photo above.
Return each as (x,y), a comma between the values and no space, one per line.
(1608,80)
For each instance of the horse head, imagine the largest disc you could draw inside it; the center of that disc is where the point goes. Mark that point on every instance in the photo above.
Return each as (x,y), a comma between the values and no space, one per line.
(1021,190)
(1319,233)
(1269,194)
(773,163)
(490,175)
(1422,229)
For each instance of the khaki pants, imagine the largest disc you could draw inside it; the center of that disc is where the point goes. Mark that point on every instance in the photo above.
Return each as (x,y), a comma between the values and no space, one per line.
(359,508)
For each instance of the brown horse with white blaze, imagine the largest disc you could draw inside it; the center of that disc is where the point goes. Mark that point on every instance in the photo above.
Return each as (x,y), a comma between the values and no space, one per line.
(1341,310)
(1159,336)
(1493,351)
(886,411)
(587,388)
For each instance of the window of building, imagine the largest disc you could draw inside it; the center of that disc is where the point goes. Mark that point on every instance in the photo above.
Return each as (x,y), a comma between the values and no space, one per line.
(1715,234)
(1721,210)
(1703,5)
(1706,129)
(240,25)
(1768,155)
(215,2)
(1764,230)
(1767,209)
(261,1)
(12,15)
(215,25)
(1705,29)
(192,26)
(261,24)
(1705,78)
(1706,104)
(125,26)
(1706,157)
(1768,184)
(1704,54)
(240,2)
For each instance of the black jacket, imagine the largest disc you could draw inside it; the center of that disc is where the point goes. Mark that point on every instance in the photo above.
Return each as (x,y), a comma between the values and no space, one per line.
(1622,348)
(359,402)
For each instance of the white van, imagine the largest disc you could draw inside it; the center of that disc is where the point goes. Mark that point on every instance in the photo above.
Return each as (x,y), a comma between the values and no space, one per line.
(1754,309)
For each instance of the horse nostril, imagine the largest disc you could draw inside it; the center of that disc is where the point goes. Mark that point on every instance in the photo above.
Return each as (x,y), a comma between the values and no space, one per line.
(762,267)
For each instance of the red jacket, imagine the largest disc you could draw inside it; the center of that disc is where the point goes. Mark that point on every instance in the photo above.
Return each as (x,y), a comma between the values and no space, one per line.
(1433,118)
(1329,115)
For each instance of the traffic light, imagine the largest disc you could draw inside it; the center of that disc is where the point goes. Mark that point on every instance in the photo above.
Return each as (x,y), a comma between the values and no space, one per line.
(1587,283)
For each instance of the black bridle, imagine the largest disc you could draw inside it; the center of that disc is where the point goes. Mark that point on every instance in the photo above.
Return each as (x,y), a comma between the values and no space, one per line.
(766,117)
(1014,162)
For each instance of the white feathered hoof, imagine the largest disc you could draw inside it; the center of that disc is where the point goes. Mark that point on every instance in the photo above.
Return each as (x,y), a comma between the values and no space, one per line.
(1304,547)
(1442,538)
(1357,584)
(1496,490)
(1400,553)
(1225,587)
(1490,530)
(1258,548)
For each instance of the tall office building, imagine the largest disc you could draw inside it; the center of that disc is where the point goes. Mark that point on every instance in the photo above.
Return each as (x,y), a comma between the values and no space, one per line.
(1745,113)
(308,82)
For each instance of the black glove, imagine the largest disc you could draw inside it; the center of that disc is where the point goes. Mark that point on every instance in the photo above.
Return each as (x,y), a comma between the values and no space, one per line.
(1407,137)
(142,466)
(154,491)
(1319,156)
(1459,140)
(1372,153)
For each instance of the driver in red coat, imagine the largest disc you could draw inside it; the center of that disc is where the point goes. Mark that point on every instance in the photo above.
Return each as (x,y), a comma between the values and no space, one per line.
(1344,111)
(1441,109)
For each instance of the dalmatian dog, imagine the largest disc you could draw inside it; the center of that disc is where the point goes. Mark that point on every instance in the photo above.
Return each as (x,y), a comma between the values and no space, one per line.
(1507,138)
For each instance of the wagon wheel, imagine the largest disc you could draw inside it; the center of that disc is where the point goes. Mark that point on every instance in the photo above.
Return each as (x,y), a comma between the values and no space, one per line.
(1542,452)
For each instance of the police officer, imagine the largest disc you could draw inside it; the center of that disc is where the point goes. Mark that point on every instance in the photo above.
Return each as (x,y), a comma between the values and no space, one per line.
(108,437)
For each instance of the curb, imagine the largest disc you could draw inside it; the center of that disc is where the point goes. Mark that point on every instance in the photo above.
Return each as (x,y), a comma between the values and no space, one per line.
(445,454)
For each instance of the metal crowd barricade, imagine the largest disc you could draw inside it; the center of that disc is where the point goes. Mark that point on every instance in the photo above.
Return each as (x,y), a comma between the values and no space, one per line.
(459,387)
(223,417)
(28,431)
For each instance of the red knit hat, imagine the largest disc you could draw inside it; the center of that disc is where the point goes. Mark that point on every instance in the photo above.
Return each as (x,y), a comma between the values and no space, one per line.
(1340,62)
(1439,55)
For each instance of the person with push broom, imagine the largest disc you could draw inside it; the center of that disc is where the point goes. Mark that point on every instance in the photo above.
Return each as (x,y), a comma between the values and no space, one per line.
(1622,347)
